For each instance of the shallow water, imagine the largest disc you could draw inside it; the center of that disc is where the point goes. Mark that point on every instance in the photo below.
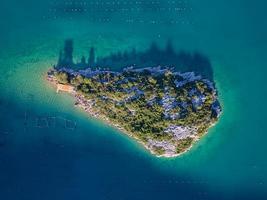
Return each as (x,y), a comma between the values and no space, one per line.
(42,159)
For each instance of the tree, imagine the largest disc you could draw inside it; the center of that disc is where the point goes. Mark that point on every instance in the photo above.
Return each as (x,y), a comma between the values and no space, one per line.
(62,77)
(152,80)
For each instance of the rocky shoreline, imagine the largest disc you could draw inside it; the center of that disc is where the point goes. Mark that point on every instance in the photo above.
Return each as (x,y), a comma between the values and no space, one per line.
(88,106)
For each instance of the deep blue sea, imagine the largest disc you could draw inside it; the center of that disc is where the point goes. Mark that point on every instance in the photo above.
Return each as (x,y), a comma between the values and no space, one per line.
(50,150)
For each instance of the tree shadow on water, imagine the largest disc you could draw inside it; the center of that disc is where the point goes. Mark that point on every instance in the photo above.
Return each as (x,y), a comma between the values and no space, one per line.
(152,57)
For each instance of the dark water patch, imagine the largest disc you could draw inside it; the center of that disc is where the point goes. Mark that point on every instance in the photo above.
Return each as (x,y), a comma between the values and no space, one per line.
(52,170)
(152,57)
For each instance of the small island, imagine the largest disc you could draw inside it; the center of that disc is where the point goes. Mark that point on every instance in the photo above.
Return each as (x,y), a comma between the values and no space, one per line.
(163,109)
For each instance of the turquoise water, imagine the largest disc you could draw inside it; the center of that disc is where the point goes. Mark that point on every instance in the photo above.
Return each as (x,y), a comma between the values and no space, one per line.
(42,159)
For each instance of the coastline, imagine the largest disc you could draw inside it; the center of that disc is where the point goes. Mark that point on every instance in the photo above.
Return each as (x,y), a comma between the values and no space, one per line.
(79,99)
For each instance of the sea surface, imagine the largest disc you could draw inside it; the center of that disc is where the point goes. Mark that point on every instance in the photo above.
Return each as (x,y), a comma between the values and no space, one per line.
(51,150)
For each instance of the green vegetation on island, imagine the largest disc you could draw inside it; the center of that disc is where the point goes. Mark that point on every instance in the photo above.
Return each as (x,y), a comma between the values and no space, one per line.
(165,110)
